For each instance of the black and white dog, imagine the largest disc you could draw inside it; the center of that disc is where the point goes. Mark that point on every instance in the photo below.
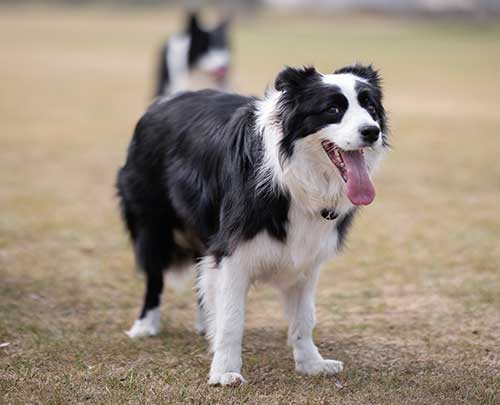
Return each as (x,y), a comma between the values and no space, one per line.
(252,189)
(195,59)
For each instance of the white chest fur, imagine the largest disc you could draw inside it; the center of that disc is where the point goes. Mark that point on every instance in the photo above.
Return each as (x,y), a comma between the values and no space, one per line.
(310,240)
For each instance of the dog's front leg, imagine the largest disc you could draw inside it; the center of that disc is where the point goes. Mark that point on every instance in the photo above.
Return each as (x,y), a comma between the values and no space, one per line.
(300,310)
(231,291)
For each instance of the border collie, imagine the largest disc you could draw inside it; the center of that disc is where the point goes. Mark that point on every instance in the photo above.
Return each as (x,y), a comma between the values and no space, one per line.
(196,59)
(252,190)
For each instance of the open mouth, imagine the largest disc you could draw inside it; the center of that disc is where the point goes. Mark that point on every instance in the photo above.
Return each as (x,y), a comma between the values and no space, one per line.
(352,169)
(219,73)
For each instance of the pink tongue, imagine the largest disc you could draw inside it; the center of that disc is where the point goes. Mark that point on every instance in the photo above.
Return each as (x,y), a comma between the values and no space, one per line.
(360,188)
(219,73)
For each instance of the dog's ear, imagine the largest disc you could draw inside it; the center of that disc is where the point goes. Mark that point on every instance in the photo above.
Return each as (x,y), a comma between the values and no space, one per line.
(290,78)
(366,72)
(193,26)
(224,24)
(221,30)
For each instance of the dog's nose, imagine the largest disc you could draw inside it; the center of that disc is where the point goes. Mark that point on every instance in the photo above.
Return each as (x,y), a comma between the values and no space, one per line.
(370,133)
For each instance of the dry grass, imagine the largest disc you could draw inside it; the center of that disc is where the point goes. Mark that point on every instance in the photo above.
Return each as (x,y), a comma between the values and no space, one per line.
(413,307)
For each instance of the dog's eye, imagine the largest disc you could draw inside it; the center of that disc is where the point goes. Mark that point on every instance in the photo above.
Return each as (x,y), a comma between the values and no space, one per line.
(333,110)
(372,110)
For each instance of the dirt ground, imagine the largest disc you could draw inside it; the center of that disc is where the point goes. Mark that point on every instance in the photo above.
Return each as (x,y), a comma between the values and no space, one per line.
(412,306)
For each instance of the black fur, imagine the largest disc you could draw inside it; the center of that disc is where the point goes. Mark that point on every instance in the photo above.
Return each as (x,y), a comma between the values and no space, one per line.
(202,40)
(344,225)
(191,167)
(306,105)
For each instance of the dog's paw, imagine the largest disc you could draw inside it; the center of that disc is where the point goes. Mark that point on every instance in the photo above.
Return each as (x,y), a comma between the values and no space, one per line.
(227,379)
(320,367)
(149,325)
(142,329)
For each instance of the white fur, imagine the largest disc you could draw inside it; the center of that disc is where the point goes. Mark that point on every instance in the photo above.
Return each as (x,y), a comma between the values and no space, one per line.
(147,326)
(214,59)
(346,134)
(232,283)
(177,63)
(271,172)
(292,267)
(299,306)
(207,289)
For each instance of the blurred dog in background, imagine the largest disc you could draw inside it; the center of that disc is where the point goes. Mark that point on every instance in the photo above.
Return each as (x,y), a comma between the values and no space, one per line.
(195,59)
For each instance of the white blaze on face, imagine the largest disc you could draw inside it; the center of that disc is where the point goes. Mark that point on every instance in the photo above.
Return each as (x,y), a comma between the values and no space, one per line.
(346,134)
(215,61)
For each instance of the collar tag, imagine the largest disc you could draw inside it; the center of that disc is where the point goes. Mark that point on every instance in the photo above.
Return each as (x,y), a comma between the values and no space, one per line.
(329,214)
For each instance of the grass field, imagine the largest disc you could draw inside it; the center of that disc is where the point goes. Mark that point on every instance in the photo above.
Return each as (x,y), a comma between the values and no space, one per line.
(413,305)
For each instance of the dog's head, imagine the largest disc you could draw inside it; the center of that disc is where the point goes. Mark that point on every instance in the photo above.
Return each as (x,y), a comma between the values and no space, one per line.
(209,49)
(341,115)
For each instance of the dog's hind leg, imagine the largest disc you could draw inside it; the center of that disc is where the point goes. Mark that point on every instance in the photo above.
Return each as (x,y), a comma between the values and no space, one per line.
(300,310)
(153,249)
